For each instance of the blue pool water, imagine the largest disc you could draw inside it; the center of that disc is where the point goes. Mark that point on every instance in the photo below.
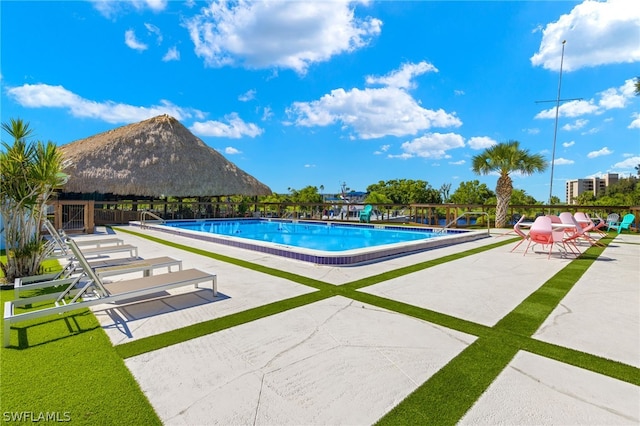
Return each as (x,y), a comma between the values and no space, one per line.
(330,237)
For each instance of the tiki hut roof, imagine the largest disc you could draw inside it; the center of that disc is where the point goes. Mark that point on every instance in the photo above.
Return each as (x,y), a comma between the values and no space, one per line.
(152,158)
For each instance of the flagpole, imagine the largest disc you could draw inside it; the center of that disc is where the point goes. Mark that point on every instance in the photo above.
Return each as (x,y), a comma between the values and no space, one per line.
(555,131)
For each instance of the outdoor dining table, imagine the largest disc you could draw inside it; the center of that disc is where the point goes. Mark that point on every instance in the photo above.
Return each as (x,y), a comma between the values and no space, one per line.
(562,226)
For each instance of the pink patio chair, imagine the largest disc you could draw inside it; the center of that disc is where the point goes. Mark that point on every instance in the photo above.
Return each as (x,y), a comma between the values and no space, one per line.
(554,218)
(588,226)
(576,232)
(542,232)
(518,231)
(601,224)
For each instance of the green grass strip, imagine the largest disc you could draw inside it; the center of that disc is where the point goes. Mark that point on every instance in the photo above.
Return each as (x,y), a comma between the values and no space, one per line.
(65,364)
(200,329)
(586,361)
(527,317)
(451,392)
(424,314)
(385,276)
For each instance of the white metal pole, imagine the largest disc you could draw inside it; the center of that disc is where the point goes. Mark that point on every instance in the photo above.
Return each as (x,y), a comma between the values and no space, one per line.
(555,131)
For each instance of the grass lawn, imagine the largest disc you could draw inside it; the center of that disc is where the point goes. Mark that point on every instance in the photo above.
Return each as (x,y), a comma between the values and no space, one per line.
(69,369)
(66,363)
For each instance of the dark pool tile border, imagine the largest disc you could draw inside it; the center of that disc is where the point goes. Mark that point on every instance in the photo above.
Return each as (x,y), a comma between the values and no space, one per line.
(372,255)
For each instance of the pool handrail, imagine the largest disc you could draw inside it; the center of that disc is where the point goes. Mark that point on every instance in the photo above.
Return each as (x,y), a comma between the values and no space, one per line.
(448,225)
(155,216)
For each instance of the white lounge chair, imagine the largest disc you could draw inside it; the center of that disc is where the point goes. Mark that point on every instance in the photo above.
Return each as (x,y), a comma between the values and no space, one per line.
(57,247)
(103,268)
(90,290)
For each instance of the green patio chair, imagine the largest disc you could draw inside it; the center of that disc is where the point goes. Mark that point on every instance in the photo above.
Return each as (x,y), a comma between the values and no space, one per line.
(626,222)
(365,214)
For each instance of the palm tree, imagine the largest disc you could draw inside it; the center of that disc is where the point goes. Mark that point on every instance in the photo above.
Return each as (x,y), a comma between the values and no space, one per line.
(29,173)
(505,158)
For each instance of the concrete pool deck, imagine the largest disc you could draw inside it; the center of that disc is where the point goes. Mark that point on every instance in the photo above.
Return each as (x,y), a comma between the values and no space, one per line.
(342,361)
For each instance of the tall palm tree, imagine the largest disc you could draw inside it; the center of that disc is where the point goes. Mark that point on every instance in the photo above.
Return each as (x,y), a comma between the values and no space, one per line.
(30,172)
(505,158)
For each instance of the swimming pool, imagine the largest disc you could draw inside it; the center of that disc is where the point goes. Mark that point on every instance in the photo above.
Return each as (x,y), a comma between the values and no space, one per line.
(324,243)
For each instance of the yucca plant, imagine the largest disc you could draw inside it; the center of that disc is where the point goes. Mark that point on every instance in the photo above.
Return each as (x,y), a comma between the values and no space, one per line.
(29,173)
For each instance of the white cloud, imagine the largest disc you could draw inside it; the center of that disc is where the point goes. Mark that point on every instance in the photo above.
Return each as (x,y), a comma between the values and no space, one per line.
(371,113)
(532,131)
(403,77)
(562,162)
(109,8)
(612,98)
(172,55)
(617,97)
(385,148)
(155,31)
(382,150)
(247,96)
(568,144)
(457,163)
(155,5)
(459,92)
(309,166)
(234,128)
(627,164)
(599,153)
(481,142)
(635,123)
(591,131)
(232,151)
(578,124)
(44,95)
(597,33)
(267,113)
(433,145)
(571,109)
(131,41)
(284,34)
(403,156)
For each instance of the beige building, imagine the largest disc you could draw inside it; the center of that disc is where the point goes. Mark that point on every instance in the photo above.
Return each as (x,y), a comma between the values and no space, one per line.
(594,185)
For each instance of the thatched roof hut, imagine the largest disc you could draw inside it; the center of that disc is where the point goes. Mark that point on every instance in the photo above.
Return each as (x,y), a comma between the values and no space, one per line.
(153,158)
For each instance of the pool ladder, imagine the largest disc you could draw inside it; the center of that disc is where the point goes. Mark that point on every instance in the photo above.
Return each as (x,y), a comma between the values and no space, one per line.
(146,213)
(464,214)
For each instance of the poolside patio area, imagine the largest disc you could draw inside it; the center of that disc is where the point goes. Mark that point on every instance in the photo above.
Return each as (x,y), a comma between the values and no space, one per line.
(362,338)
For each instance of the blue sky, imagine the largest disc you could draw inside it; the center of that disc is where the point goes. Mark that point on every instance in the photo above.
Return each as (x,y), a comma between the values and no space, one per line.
(301,93)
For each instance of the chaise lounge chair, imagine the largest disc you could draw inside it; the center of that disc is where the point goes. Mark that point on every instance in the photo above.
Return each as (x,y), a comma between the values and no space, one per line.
(103,268)
(57,248)
(90,290)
